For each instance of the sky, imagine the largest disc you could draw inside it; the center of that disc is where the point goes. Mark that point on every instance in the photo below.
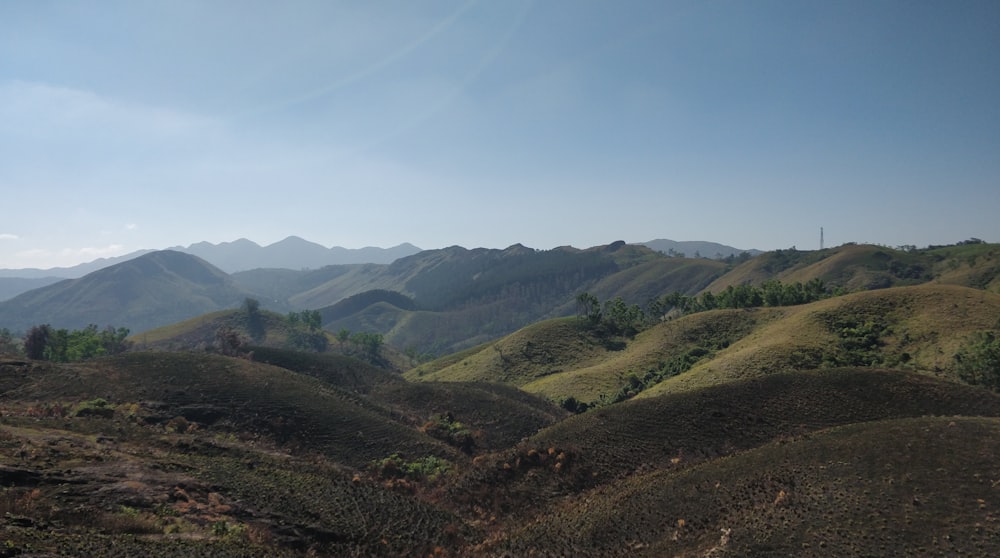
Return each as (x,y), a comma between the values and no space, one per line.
(138,124)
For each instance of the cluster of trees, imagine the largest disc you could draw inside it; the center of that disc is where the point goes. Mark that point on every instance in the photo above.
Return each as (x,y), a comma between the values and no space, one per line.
(978,362)
(310,319)
(614,317)
(44,342)
(369,344)
(619,318)
(769,293)
(305,331)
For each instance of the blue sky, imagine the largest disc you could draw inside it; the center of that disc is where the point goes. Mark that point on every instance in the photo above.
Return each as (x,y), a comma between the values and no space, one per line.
(148,124)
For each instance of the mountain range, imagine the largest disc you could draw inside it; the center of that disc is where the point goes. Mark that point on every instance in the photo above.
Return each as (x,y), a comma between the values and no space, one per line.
(291,253)
(445,300)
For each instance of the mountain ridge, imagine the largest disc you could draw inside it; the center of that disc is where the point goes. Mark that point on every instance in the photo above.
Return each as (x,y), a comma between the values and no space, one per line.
(236,256)
(154,289)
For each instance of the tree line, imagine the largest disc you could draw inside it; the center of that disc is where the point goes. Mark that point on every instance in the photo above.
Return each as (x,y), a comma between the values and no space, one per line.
(44,342)
(616,317)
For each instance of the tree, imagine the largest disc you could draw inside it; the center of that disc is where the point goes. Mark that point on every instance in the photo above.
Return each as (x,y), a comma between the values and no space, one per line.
(588,307)
(312,319)
(8,345)
(343,335)
(622,318)
(254,320)
(114,341)
(36,341)
(370,344)
(229,341)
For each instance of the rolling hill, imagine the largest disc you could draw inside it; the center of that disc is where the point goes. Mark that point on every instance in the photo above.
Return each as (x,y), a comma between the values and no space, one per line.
(865,267)
(918,328)
(165,454)
(832,428)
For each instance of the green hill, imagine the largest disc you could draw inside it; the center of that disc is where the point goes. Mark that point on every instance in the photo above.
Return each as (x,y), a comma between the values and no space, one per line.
(866,267)
(918,328)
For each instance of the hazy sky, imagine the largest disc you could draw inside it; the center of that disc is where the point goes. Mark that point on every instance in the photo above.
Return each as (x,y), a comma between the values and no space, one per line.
(147,124)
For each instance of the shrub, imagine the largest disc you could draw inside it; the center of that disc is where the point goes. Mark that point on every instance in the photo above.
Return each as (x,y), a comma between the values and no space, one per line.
(94,408)
(396,467)
(978,362)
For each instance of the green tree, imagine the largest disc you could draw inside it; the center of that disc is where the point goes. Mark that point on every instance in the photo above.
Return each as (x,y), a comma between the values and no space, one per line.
(343,335)
(115,341)
(622,318)
(312,319)
(8,345)
(369,343)
(57,348)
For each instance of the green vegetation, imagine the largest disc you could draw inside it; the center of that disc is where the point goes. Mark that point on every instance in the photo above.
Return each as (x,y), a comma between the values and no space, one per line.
(444,427)
(61,345)
(395,466)
(978,362)
(768,294)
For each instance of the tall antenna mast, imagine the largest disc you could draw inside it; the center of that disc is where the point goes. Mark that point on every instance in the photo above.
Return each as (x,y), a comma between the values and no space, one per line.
(821,238)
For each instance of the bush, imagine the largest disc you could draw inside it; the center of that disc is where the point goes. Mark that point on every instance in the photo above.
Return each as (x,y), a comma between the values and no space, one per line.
(396,467)
(94,408)
(978,362)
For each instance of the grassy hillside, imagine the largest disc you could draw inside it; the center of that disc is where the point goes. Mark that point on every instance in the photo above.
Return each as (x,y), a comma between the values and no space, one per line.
(919,328)
(866,267)
(651,279)
(970,265)
(541,349)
